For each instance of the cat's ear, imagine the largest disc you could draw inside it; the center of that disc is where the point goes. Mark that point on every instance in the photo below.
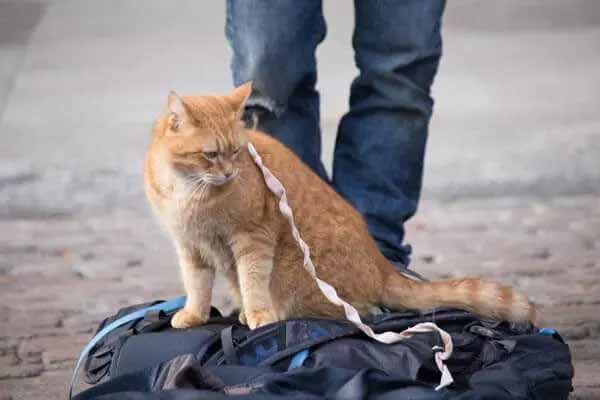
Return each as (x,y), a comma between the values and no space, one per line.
(177,112)
(239,96)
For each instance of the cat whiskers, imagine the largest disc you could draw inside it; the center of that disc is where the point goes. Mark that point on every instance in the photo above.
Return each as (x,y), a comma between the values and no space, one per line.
(197,188)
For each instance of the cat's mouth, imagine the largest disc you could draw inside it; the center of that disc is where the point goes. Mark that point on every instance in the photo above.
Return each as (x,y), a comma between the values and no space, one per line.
(220,181)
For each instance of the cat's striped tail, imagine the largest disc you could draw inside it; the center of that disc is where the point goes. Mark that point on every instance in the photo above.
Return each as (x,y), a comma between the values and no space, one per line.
(484,298)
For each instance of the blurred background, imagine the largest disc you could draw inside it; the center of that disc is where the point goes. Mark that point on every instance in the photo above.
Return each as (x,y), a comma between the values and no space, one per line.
(512,176)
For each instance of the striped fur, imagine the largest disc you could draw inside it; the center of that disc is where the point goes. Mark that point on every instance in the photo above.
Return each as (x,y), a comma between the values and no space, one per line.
(211,198)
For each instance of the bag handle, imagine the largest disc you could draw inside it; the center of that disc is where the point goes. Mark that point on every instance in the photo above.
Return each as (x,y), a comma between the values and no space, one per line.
(228,346)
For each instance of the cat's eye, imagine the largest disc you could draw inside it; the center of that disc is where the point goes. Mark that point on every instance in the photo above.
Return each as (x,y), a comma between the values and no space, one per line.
(210,155)
(236,151)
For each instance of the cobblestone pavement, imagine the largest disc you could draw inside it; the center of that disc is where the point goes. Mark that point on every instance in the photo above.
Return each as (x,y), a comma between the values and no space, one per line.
(60,275)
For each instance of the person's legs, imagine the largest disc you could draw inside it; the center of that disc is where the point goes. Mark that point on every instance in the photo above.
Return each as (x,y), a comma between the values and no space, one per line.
(380,146)
(273,45)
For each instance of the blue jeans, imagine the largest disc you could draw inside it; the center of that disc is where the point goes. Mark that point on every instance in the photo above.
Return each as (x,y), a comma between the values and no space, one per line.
(380,145)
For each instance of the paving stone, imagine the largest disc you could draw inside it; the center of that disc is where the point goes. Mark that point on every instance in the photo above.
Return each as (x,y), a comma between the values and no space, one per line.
(586,349)
(587,374)
(21,371)
(9,359)
(51,385)
(585,393)
(8,345)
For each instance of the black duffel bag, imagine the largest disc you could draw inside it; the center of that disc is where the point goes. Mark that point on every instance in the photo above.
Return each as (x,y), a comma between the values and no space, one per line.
(325,358)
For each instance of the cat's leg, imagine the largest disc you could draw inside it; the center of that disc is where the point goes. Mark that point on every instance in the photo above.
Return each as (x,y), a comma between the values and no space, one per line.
(254,258)
(233,285)
(198,278)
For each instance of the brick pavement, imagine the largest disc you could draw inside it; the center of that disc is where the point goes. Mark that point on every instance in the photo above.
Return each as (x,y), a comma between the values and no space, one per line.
(59,276)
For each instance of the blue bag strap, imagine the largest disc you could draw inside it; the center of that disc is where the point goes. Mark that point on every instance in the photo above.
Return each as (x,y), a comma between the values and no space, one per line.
(547,331)
(298,359)
(165,306)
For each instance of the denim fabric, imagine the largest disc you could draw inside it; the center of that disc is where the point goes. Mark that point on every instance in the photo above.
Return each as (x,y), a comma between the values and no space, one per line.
(380,145)
(274,46)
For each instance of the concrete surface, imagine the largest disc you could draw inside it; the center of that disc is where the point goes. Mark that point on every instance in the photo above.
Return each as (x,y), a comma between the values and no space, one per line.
(512,177)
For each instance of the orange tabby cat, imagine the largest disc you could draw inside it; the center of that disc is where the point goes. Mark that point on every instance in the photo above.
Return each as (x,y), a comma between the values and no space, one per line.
(210,195)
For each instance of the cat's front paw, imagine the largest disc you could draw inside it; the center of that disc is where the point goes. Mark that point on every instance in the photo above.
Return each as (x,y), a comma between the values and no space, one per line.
(242,317)
(186,319)
(259,318)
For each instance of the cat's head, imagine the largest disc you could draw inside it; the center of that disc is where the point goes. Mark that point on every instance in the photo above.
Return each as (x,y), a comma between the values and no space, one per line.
(204,136)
